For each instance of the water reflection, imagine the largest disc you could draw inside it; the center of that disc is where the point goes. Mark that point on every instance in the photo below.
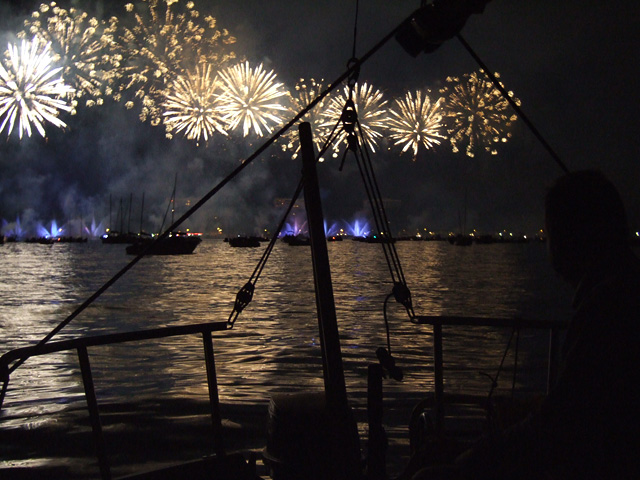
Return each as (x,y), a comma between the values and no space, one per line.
(274,346)
(42,284)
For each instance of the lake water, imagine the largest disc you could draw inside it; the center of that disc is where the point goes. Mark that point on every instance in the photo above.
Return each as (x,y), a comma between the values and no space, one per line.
(274,345)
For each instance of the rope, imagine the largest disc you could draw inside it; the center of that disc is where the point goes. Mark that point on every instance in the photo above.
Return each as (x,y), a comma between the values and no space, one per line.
(216,189)
(494,380)
(515,365)
(245,294)
(352,127)
(355,30)
(513,104)
(400,290)
(353,78)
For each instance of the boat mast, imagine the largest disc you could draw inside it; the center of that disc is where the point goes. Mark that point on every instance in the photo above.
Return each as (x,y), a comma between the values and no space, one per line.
(129,218)
(121,217)
(141,212)
(346,453)
(173,198)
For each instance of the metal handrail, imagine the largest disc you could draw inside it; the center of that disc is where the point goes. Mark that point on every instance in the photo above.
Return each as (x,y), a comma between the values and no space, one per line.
(205,329)
(81,344)
(515,322)
(106,339)
(437,322)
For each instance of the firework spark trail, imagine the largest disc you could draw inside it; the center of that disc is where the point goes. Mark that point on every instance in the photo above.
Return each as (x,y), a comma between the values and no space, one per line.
(251,97)
(83,46)
(416,122)
(305,93)
(477,114)
(372,117)
(28,91)
(193,105)
(164,40)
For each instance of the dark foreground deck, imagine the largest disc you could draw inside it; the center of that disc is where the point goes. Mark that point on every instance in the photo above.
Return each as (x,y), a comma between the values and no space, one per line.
(117,440)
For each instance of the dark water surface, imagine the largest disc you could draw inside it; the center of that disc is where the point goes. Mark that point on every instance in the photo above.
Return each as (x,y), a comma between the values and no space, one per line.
(272,348)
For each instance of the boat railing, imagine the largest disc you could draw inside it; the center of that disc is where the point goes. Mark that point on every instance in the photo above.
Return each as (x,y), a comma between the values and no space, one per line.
(438,321)
(82,344)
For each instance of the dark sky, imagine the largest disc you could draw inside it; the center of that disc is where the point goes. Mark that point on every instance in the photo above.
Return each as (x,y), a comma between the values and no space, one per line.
(573,64)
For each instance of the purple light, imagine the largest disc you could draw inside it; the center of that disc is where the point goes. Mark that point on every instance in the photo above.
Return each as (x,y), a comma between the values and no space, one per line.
(358,230)
(53,232)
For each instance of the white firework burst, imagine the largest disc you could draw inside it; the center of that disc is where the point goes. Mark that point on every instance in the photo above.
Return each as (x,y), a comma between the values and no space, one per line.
(251,97)
(416,121)
(192,106)
(30,92)
(372,116)
(305,92)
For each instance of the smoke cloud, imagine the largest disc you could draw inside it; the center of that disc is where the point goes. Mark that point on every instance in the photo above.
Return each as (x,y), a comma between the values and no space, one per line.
(557,69)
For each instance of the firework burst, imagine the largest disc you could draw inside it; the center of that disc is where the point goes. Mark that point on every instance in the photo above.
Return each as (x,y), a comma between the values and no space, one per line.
(372,117)
(251,97)
(305,93)
(29,92)
(83,46)
(416,121)
(192,106)
(165,40)
(478,116)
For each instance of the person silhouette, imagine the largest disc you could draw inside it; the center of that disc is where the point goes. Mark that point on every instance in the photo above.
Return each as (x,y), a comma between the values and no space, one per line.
(588,426)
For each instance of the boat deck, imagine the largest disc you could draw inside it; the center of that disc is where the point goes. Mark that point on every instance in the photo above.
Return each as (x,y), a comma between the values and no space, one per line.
(156,433)
(161,432)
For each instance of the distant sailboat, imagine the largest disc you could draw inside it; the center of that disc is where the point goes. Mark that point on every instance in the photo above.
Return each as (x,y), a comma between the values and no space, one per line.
(175,243)
(462,239)
(118,236)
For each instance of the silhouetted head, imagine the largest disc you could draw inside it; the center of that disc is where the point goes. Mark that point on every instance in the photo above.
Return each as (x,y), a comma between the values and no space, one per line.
(585,222)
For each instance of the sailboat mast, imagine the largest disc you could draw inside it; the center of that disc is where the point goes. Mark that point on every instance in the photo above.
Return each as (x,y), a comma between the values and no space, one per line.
(141,212)
(129,219)
(173,198)
(345,454)
(121,217)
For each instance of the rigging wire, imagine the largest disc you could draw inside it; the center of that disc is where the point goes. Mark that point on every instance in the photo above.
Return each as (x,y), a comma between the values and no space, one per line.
(400,290)
(267,143)
(351,75)
(551,152)
(353,129)
(245,294)
(515,332)
(355,30)
(513,104)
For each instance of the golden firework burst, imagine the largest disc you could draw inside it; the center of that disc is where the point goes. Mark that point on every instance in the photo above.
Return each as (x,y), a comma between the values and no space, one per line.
(416,121)
(369,106)
(160,41)
(304,93)
(478,116)
(83,46)
(192,106)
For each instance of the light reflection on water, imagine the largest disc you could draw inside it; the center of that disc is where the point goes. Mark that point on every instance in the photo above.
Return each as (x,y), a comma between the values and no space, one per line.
(274,346)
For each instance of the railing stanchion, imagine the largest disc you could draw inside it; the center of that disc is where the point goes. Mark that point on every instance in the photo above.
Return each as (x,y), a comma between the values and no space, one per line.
(92,404)
(5,384)
(554,349)
(438,377)
(214,399)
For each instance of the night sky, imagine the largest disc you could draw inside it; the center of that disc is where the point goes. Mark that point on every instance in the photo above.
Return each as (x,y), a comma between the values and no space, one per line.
(573,64)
